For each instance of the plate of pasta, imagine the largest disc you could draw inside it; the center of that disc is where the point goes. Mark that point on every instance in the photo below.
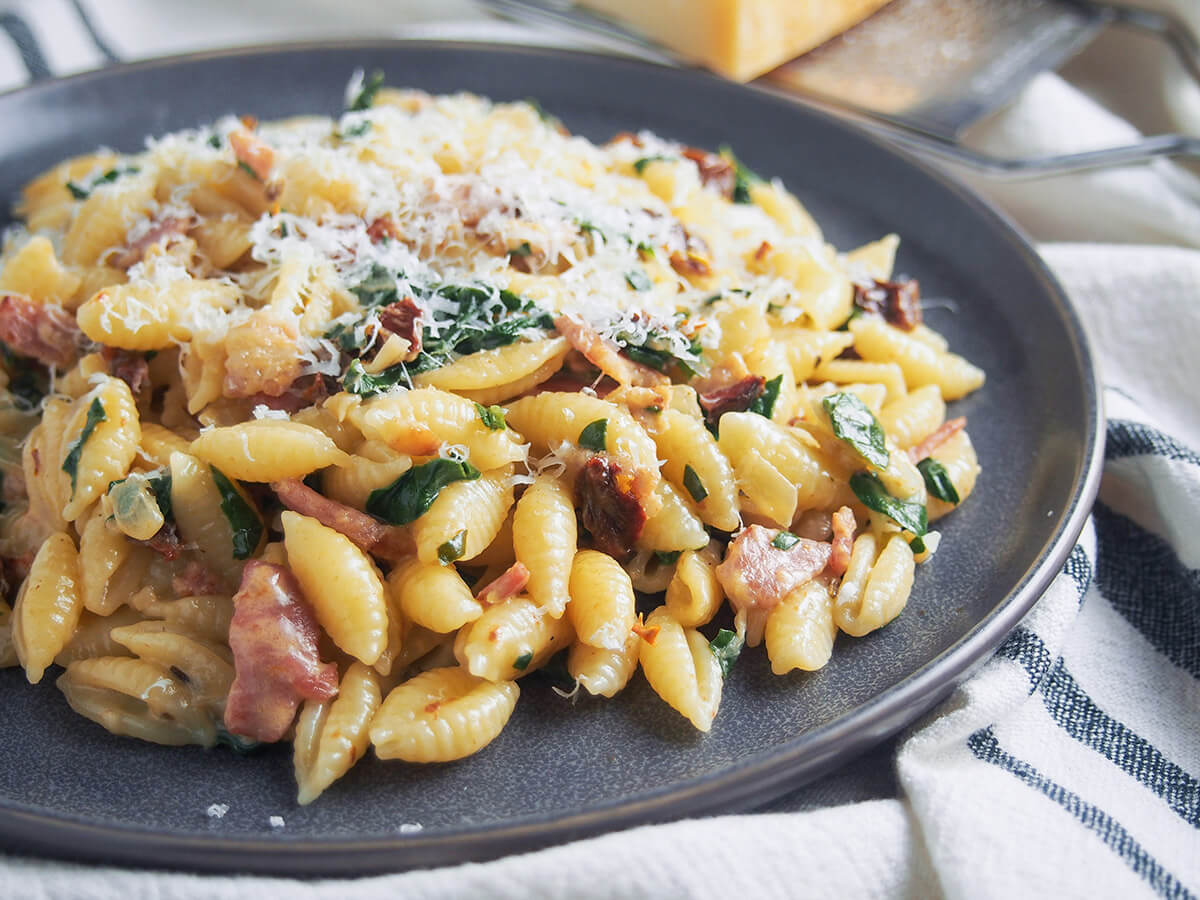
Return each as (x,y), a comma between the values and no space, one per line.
(399,469)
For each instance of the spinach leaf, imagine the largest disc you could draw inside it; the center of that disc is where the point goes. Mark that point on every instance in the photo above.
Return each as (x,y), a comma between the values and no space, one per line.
(95,415)
(357,130)
(594,435)
(639,280)
(726,647)
(453,549)
(870,490)
(358,381)
(743,178)
(521,663)
(937,480)
(667,557)
(237,743)
(522,249)
(492,417)
(160,485)
(477,323)
(856,426)
(245,167)
(378,288)
(764,403)
(365,97)
(243,518)
(639,165)
(409,496)
(785,540)
(656,350)
(83,191)
(694,485)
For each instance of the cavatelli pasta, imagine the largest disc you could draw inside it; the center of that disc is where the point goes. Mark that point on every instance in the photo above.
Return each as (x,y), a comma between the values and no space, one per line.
(331,431)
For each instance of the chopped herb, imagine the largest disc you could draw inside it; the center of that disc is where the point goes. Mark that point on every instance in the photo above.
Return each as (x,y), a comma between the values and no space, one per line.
(594,436)
(764,403)
(588,228)
(639,165)
(653,409)
(357,130)
(378,288)
(656,349)
(523,250)
(453,549)
(160,484)
(694,485)
(491,416)
(27,380)
(667,557)
(243,518)
(477,324)
(83,191)
(855,312)
(937,480)
(521,663)
(857,426)
(917,544)
(236,742)
(358,381)
(639,280)
(785,540)
(870,490)
(726,647)
(245,167)
(743,178)
(214,141)
(365,98)
(409,496)
(548,118)
(95,415)
(645,248)
(711,299)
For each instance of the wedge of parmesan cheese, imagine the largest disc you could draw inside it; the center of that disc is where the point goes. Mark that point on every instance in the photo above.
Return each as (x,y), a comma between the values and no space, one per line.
(740,39)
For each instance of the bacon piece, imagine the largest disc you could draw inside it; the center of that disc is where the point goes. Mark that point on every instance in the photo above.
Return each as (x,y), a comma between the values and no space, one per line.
(610,506)
(947,430)
(714,170)
(690,264)
(604,355)
(309,390)
(844,526)
(735,397)
(897,301)
(163,230)
(273,636)
(196,580)
(130,367)
(383,228)
(44,331)
(756,575)
(403,318)
(166,543)
(253,153)
(763,249)
(508,584)
(371,535)
(625,136)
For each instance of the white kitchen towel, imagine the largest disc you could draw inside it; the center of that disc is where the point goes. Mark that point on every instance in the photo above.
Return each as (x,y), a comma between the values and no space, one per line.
(1068,765)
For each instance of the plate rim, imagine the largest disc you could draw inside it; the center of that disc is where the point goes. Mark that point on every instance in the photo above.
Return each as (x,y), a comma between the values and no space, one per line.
(734,788)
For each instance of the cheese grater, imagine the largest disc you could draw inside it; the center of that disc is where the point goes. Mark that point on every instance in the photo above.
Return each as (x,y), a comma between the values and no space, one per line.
(921,71)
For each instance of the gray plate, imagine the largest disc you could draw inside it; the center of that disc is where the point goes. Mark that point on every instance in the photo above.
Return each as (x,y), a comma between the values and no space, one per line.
(561,771)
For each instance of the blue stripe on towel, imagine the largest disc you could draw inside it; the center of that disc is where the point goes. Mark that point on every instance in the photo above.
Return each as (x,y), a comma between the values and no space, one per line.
(984,745)
(22,37)
(1126,438)
(1143,579)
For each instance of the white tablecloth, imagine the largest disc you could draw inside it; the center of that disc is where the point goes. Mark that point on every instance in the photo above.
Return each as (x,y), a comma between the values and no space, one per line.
(1069,765)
